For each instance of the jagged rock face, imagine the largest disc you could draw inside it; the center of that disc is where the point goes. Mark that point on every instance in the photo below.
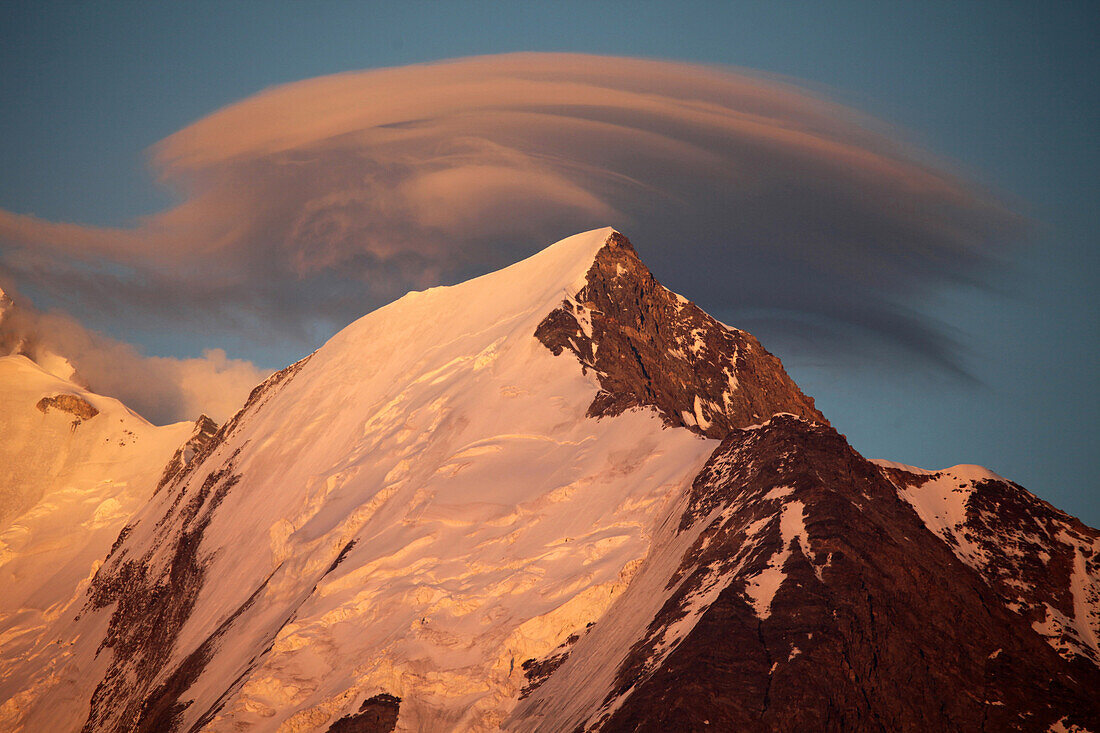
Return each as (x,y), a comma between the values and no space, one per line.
(200,440)
(1042,563)
(155,594)
(651,347)
(538,671)
(154,598)
(813,598)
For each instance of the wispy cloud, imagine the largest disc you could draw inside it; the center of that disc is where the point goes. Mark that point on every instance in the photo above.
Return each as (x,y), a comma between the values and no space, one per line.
(161,389)
(308,204)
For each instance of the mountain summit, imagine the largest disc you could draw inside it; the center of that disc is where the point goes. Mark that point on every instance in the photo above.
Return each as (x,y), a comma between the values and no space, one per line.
(560,497)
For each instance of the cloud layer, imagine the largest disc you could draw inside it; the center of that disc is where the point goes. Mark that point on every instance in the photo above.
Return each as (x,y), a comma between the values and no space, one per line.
(161,389)
(309,204)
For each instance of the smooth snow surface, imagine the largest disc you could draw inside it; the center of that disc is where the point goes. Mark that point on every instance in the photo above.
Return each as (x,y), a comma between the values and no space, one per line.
(490,517)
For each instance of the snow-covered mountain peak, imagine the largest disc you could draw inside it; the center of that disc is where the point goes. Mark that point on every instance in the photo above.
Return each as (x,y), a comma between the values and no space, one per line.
(536,283)
(441,520)
(427,491)
(437,489)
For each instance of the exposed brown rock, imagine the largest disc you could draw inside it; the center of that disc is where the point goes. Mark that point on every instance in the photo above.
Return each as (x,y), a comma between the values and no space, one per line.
(377,714)
(875,625)
(139,691)
(1032,555)
(154,600)
(259,395)
(538,671)
(152,604)
(72,404)
(201,437)
(650,347)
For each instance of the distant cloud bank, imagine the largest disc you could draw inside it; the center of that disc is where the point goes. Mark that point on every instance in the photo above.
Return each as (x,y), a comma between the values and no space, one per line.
(160,389)
(309,204)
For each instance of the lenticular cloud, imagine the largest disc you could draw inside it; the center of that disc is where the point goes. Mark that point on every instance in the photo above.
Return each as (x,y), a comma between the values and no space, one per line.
(308,204)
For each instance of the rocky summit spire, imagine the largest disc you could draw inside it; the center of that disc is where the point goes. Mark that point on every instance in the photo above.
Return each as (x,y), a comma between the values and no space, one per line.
(651,347)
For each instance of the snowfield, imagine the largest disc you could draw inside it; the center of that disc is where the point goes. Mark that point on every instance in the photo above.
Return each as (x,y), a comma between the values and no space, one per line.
(443,454)
(67,486)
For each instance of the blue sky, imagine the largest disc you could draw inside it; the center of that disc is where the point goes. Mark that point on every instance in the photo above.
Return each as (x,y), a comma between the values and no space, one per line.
(1004,94)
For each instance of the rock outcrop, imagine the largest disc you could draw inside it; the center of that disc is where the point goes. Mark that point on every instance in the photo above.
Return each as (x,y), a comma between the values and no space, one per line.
(377,714)
(72,404)
(200,440)
(651,347)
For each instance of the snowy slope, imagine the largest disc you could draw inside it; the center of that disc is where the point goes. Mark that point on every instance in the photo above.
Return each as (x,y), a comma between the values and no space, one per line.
(73,467)
(443,456)
(551,496)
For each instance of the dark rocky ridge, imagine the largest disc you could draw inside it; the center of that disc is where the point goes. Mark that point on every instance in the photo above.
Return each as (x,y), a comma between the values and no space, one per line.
(1028,552)
(152,603)
(154,599)
(876,625)
(538,671)
(650,347)
(203,443)
(201,437)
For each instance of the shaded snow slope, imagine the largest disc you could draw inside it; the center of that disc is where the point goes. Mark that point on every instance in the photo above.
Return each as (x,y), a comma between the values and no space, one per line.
(73,467)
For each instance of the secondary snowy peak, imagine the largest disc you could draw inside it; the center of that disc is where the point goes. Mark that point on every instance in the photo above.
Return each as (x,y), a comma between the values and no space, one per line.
(650,347)
(1042,563)
(74,466)
(55,435)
